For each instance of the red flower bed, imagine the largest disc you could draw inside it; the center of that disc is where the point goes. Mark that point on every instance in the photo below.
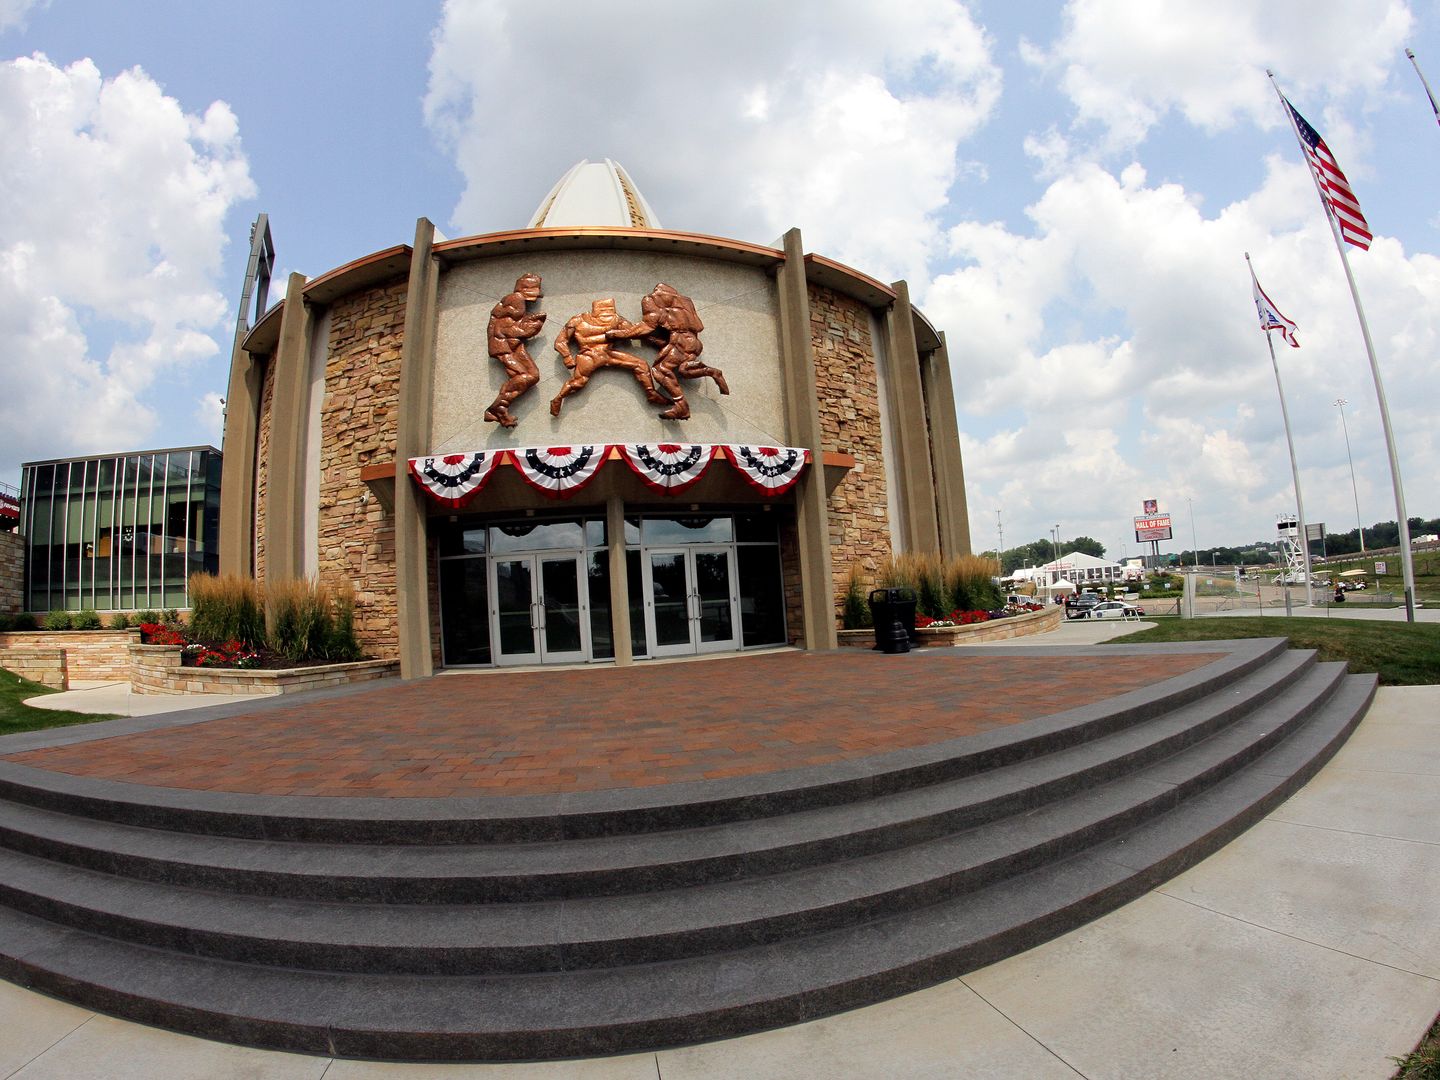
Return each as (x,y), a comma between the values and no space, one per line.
(955,618)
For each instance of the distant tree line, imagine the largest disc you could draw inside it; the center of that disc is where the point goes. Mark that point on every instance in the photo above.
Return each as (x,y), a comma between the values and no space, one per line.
(1039,552)
(1382,534)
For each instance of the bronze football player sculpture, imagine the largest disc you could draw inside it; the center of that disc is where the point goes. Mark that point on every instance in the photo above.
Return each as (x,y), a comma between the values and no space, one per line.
(589,330)
(510,327)
(670,323)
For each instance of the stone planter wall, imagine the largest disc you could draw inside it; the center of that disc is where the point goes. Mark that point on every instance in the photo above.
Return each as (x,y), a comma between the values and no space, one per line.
(45,666)
(1032,622)
(12,572)
(156,669)
(90,655)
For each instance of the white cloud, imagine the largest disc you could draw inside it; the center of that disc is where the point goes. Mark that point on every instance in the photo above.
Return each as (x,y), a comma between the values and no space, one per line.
(1125,64)
(1180,401)
(844,118)
(13,12)
(109,272)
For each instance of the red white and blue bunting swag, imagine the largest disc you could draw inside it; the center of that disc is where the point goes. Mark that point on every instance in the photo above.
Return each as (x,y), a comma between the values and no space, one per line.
(772,469)
(455,479)
(668,467)
(560,471)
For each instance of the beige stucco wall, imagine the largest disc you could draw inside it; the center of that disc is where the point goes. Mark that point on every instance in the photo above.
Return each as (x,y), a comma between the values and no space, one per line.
(737,304)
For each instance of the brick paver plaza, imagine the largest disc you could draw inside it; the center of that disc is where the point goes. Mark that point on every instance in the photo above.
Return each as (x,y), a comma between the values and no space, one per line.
(523,733)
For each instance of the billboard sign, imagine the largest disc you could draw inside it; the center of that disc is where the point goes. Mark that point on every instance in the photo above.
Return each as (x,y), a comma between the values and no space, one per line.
(1315,532)
(1153,527)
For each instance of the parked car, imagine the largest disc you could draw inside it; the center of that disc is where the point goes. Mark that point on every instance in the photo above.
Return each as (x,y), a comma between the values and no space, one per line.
(1077,607)
(1112,609)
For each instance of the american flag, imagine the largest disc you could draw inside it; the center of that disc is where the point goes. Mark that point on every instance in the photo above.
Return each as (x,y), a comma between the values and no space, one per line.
(1334,188)
(1270,317)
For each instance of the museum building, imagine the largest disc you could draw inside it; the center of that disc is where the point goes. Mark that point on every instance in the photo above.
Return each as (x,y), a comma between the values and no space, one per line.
(589,440)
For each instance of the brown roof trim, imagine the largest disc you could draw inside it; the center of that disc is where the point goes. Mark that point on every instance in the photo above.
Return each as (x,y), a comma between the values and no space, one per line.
(848,281)
(372,269)
(265,334)
(504,243)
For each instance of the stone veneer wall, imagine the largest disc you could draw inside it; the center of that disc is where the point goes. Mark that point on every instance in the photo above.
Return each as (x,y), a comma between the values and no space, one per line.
(156,669)
(89,654)
(262,464)
(357,428)
(846,384)
(12,572)
(790,581)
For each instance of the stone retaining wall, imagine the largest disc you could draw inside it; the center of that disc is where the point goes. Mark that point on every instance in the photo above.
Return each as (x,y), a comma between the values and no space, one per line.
(156,669)
(90,655)
(45,666)
(1032,622)
(12,572)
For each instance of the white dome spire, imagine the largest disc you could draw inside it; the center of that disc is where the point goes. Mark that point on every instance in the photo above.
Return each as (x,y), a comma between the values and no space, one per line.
(594,193)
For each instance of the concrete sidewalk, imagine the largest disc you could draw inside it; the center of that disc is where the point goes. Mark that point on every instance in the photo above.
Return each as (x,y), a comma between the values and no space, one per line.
(1308,947)
(116,698)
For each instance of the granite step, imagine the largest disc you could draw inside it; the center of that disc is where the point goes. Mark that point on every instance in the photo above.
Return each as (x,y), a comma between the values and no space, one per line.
(446,873)
(610,930)
(592,1011)
(599,814)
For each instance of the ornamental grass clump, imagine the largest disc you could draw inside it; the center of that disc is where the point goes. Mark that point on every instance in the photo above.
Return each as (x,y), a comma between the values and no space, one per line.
(970,582)
(855,612)
(226,608)
(308,620)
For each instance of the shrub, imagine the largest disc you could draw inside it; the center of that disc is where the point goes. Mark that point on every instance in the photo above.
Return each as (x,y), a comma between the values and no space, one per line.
(85,620)
(120,621)
(226,608)
(147,616)
(23,621)
(6,622)
(58,619)
(855,613)
(172,616)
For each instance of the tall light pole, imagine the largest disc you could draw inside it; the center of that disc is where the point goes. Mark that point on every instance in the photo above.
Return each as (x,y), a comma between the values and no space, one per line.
(1000,551)
(1340,404)
(1194,544)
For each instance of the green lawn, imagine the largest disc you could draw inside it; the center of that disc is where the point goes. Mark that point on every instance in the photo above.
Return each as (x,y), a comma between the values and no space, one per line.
(17,716)
(1403,654)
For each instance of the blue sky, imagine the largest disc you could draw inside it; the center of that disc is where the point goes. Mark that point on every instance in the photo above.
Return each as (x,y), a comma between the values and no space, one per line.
(1069,189)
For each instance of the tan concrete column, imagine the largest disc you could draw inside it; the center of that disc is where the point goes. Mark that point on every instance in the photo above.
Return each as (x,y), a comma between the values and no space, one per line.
(289,415)
(802,413)
(412,436)
(917,482)
(619,581)
(950,502)
(237,467)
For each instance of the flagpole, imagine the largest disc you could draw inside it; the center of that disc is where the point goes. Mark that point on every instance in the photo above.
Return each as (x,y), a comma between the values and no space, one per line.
(1416,65)
(1407,563)
(1294,468)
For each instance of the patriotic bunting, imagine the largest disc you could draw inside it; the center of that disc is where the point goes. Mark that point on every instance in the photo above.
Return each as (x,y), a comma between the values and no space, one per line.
(668,467)
(455,479)
(559,471)
(772,469)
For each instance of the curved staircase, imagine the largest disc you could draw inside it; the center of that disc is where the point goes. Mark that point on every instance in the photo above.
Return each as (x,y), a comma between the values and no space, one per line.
(556,926)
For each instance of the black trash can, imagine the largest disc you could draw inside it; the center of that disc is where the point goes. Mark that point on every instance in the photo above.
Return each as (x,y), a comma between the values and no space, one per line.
(893,612)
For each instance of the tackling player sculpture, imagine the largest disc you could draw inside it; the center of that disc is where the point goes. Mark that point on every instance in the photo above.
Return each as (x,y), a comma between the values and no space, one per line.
(510,327)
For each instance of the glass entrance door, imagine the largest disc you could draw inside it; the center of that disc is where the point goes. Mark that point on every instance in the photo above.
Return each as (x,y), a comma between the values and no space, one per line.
(539,614)
(690,600)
